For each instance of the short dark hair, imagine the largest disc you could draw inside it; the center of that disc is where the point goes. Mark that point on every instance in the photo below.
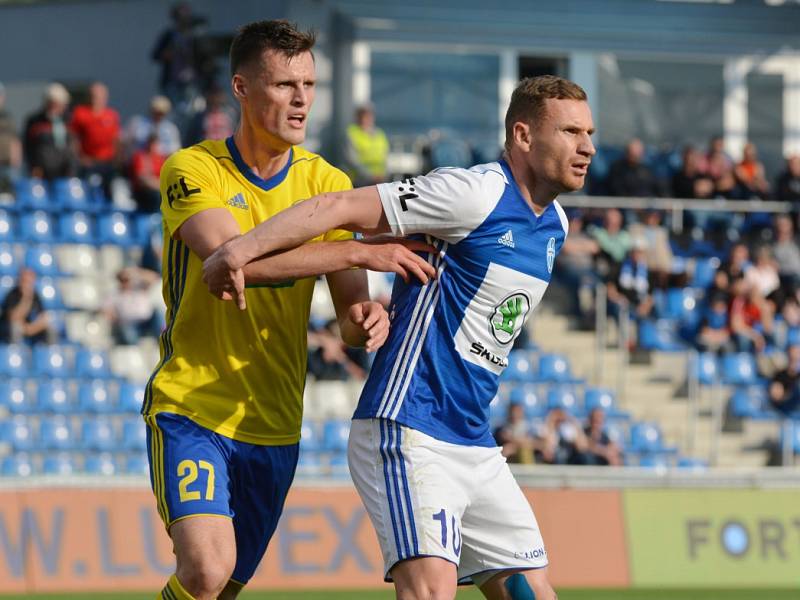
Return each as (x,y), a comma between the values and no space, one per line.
(527,101)
(252,39)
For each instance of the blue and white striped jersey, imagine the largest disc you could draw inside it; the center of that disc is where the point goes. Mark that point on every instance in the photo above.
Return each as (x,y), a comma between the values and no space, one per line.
(449,340)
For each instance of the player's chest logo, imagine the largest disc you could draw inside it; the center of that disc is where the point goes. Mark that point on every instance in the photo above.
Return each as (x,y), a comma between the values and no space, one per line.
(508,316)
(238,201)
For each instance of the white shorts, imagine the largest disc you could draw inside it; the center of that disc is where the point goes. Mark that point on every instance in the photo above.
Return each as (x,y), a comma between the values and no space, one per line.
(426,497)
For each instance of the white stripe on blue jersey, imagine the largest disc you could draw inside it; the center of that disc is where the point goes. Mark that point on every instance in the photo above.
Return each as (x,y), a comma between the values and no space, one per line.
(449,339)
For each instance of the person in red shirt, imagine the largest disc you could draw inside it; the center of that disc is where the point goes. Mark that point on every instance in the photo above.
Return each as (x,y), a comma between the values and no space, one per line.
(145,169)
(96,126)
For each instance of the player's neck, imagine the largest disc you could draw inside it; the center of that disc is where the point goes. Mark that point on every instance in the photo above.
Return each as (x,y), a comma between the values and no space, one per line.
(537,196)
(263,154)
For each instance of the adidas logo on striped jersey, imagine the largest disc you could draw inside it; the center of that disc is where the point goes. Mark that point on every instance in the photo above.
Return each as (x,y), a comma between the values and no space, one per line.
(238,201)
(507,239)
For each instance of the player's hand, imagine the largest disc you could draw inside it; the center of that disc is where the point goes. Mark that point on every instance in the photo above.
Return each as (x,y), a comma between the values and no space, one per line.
(397,255)
(372,321)
(224,279)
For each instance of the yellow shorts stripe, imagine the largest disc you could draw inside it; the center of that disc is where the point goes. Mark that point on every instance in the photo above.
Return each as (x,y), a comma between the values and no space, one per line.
(157,465)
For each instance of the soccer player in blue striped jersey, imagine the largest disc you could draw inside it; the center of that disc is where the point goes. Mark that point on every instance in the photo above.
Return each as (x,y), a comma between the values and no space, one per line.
(443,502)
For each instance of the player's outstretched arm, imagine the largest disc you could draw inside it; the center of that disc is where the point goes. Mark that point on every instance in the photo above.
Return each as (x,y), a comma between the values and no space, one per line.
(361,321)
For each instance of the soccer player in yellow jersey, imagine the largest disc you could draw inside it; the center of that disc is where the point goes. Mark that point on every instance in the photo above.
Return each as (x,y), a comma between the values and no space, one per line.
(224,405)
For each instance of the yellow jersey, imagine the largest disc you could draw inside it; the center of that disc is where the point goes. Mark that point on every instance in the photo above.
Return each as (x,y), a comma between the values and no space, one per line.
(238,373)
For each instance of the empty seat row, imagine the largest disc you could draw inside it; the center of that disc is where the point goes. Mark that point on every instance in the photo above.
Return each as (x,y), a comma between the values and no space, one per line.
(116,227)
(60,432)
(62,396)
(65,464)
(65,259)
(524,366)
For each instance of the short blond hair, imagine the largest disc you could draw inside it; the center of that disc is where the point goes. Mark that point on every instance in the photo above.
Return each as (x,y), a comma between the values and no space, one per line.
(527,101)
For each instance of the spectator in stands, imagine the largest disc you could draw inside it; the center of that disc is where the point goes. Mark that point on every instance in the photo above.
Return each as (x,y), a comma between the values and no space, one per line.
(750,174)
(130,309)
(716,161)
(788,185)
(175,51)
(784,388)
(23,317)
(654,237)
(216,122)
(600,449)
(561,441)
(97,128)
(367,149)
(738,261)
(515,436)
(787,254)
(720,285)
(629,176)
(762,276)
(614,242)
(690,181)
(329,358)
(49,146)
(632,288)
(575,269)
(749,317)
(141,128)
(145,169)
(10,146)
(714,334)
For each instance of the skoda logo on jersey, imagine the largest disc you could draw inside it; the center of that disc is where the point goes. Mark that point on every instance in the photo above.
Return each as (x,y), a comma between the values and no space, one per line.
(508,317)
(551,254)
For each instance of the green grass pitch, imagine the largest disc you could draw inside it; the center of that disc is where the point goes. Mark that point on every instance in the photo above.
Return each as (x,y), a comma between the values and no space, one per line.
(463,594)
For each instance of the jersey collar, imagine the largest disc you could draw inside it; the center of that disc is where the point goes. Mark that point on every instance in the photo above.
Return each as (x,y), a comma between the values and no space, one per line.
(264,184)
(532,216)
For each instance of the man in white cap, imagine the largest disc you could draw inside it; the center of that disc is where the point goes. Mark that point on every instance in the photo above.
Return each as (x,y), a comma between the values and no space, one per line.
(141,128)
(49,148)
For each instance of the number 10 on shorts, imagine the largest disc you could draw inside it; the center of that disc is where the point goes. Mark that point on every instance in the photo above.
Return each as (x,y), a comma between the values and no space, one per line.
(441,516)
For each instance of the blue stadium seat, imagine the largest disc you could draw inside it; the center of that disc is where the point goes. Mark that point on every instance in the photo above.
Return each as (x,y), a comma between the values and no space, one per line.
(739,369)
(114,228)
(17,398)
(308,460)
(521,367)
(7,283)
(692,464)
(564,398)
(310,438)
(527,396)
(144,226)
(76,228)
(51,361)
(136,464)
(37,227)
(95,397)
(751,403)
(646,438)
(54,397)
(98,434)
(18,432)
(9,262)
(594,397)
(55,433)
(40,258)
(32,194)
(16,465)
(655,461)
(130,398)
(617,433)
(134,434)
(14,360)
(704,271)
(49,293)
(660,335)
(100,464)
(92,364)
(679,303)
(7,226)
(705,367)
(71,194)
(554,368)
(58,464)
(335,434)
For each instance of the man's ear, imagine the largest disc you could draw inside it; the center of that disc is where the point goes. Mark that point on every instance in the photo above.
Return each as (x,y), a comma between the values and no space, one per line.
(239,86)
(523,135)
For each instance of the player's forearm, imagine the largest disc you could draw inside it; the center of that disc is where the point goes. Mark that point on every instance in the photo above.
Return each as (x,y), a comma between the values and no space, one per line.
(308,260)
(355,210)
(352,334)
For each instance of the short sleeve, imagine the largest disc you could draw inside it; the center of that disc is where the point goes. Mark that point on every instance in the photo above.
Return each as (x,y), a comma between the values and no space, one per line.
(446,203)
(189,185)
(337,182)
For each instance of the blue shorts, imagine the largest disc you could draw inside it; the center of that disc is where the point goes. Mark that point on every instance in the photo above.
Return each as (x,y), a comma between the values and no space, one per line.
(194,471)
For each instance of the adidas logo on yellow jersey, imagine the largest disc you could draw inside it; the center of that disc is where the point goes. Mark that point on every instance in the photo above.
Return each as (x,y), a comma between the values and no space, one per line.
(238,201)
